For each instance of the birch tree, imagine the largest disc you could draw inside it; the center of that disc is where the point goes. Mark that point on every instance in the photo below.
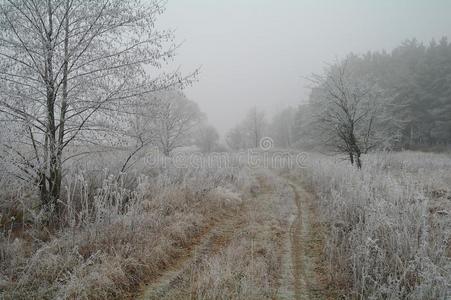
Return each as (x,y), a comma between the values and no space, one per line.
(68,69)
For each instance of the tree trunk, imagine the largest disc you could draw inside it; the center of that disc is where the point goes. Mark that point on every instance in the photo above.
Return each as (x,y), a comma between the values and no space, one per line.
(359,161)
(166,152)
(42,185)
(54,179)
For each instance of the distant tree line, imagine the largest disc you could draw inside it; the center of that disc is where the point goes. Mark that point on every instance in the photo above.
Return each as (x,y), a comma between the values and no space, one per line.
(248,133)
(398,100)
(415,88)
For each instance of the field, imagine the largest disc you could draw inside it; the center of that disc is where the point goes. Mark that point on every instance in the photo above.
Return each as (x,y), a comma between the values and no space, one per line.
(160,149)
(320,230)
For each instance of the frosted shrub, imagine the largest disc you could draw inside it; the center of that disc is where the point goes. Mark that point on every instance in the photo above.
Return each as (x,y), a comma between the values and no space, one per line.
(389,224)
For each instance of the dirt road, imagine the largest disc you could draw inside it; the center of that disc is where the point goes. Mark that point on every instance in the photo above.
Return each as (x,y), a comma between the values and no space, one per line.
(297,245)
(179,274)
(304,247)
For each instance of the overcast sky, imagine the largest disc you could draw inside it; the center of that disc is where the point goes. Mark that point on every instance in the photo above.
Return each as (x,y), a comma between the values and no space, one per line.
(257,52)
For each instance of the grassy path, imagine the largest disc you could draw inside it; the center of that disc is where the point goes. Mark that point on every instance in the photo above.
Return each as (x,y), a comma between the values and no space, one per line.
(297,247)
(305,252)
(178,275)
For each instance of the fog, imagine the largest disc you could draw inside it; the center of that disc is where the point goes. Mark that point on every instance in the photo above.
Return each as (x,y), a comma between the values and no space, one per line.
(258,52)
(235,149)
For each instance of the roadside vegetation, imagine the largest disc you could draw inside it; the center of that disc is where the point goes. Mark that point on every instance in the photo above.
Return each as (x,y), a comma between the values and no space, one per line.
(120,231)
(387,225)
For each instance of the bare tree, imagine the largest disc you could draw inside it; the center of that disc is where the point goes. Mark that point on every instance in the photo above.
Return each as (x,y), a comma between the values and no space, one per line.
(255,124)
(175,120)
(236,138)
(207,138)
(349,115)
(138,132)
(249,132)
(281,128)
(69,69)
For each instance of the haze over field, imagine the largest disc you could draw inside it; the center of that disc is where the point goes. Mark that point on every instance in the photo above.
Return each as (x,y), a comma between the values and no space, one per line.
(256,52)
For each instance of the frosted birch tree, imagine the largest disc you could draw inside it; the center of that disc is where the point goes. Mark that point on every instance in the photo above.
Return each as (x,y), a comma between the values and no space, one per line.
(69,69)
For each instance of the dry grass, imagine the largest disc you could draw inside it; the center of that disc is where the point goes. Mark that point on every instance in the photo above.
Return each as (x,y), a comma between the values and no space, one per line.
(118,235)
(244,258)
(388,225)
(387,231)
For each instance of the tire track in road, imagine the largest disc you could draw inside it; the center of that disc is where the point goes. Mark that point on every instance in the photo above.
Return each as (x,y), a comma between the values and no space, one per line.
(306,284)
(209,243)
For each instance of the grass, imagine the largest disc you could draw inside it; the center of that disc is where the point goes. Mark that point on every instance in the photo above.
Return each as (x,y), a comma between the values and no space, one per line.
(117,234)
(386,230)
(388,225)
(245,258)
